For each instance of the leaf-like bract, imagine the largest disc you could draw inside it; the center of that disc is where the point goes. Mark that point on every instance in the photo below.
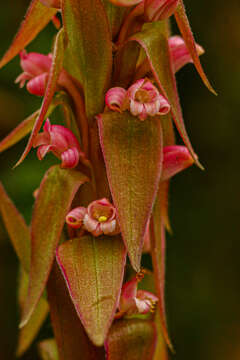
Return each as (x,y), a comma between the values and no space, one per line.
(132,151)
(93,269)
(55,196)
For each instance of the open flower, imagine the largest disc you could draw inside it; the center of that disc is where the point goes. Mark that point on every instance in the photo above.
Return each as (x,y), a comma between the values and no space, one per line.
(179,52)
(98,218)
(36,69)
(142,99)
(101,218)
(61,142)
(159,9)
(145,100)
(134,301)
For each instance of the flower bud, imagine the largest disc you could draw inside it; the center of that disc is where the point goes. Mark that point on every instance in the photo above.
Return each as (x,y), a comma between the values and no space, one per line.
(159,9)
(61,142)
(52,3)
(176,158)
(36,68)
(179,52)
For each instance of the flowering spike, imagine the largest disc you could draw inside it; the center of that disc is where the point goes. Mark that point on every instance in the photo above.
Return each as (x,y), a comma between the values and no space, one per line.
(52,3)
(114,98)
(175,159)
(75,217)
(36,68)
(180,53)
(145,100)
(127,3)
(159,9)
(61,141)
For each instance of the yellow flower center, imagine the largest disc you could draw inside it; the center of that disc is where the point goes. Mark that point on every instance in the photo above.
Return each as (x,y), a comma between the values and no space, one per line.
(102,218)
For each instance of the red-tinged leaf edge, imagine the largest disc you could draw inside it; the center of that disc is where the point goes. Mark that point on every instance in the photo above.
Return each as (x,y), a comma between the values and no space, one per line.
(36,18)
(54,199)
(131,340)
(154,36)
(185,29)
(161,352)
(158,250)
(132,151)
(73,342)
(16,227)
(99,262)
(55,70)
(19,132)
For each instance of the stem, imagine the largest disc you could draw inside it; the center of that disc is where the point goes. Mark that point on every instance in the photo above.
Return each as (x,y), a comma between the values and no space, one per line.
(67,83)
(135,13)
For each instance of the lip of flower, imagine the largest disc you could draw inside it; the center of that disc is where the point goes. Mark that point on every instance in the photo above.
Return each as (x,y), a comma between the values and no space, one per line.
(145,100)
(36,68)
(101,218)
(179,52)
(159,9)
(61,141)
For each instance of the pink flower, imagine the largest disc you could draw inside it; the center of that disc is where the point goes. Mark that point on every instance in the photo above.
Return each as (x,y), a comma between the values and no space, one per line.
(145,100)
(100,218)
(133,301)
(176,158)
(159,9)
(52,3)
(115,99)
(36,68)
(179,52)
(75,217)
(61,142)
(142,99)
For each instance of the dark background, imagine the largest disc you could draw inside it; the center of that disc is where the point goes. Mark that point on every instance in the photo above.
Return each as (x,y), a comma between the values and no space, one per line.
(203,269)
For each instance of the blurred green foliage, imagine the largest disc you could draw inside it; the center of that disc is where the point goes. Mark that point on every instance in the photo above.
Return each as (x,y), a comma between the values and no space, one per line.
(203,271)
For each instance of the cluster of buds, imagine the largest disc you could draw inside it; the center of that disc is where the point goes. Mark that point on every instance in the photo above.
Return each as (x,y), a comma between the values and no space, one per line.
(36,69)
(142,99)
(61,142)
(98,218)
(134,301)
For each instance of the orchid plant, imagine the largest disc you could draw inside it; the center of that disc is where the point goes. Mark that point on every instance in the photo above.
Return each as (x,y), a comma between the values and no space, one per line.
(112,71)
